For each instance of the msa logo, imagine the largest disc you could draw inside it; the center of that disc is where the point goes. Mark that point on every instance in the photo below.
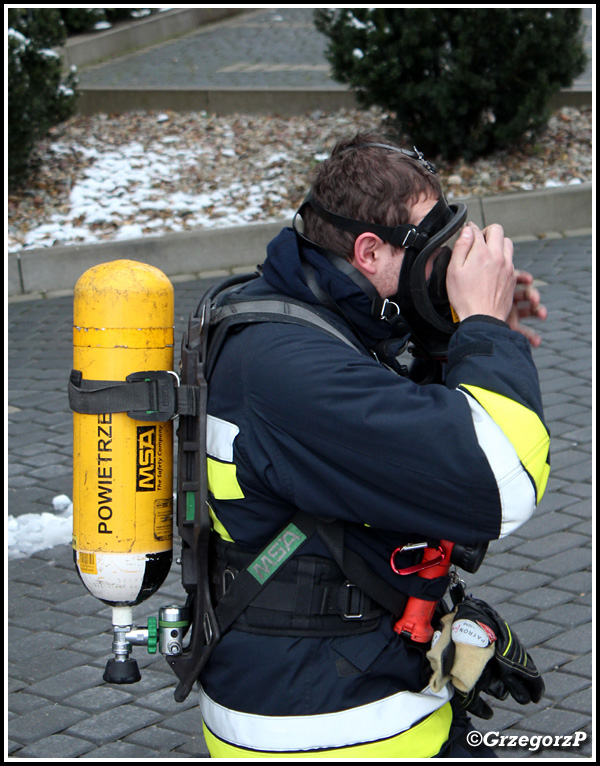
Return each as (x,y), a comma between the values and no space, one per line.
(270,559)
(146,459)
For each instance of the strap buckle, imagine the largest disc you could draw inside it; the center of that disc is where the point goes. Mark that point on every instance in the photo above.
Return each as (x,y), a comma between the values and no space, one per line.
(161,392)
(227,578)
(150,395)
(411,234)
(412,238)
(354,602)
(389,309)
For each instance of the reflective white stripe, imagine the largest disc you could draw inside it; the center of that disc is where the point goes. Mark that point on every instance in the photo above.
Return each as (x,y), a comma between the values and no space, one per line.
(517,492)
(367,723)
(219,438)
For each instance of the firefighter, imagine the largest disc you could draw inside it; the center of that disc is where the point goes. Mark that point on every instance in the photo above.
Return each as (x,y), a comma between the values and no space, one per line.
(380,456)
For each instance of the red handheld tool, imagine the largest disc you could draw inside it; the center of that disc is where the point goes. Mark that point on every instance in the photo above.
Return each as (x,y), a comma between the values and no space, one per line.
(416,620)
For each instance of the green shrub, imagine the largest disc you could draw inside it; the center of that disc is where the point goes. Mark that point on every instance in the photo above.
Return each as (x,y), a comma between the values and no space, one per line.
(38,97)
(78,20)
(461,81)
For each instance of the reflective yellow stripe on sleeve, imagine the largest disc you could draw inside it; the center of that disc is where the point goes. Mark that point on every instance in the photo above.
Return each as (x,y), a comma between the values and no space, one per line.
(222,480)
(219,528)
(523,428)
(222,474)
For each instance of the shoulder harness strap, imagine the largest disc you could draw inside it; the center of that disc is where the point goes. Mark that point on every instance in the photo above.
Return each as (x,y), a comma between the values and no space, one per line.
(207,330)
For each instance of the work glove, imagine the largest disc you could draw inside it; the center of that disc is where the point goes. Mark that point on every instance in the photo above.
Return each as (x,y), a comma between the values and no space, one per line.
(461,663)
(476,650)
(511,665)
(442,653)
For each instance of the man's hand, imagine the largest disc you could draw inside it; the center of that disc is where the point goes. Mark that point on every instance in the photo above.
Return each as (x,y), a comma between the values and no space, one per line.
(526,303)
(481,277)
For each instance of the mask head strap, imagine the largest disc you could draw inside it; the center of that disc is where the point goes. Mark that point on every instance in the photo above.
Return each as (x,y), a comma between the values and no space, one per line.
(414,155)
(377,303)
(404,235)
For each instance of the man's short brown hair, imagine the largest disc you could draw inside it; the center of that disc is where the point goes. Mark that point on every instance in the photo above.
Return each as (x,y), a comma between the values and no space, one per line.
(366,183)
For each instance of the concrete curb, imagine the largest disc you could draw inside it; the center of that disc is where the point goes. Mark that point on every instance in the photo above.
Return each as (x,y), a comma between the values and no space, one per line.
(285,102)
(130,36)
(58,268)
(49,270)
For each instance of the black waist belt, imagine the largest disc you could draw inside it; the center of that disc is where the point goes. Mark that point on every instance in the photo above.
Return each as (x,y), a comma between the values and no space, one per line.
(310,597)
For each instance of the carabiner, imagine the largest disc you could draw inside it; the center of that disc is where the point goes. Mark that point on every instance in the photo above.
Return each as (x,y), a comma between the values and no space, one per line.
(429,559)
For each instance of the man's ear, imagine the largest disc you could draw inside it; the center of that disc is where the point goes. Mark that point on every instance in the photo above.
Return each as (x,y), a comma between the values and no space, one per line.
(366,253)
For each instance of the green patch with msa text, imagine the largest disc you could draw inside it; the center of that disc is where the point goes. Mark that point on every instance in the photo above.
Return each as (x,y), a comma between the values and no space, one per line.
(270,559)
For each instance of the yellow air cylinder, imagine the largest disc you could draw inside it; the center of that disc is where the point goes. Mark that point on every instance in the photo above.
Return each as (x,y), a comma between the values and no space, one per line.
(122,468)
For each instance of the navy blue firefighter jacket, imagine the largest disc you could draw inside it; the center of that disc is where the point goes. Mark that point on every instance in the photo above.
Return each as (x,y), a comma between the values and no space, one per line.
(300,420)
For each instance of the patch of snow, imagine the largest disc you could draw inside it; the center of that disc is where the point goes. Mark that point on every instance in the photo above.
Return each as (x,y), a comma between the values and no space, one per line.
(33,532)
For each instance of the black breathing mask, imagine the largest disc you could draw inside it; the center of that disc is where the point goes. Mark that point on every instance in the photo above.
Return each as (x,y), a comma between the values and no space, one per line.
(422,300)
(421,303)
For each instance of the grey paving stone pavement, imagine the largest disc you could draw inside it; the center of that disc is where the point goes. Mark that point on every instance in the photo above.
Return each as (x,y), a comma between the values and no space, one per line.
(59,635)
(279,47)
(264,48)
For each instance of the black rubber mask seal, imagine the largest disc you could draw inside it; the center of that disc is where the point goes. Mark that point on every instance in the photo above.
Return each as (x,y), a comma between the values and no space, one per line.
(424,302)
(426,293)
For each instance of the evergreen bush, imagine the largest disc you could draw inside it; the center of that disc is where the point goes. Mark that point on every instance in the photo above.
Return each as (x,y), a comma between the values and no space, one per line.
(38,96)
(78,20)
(462,82)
